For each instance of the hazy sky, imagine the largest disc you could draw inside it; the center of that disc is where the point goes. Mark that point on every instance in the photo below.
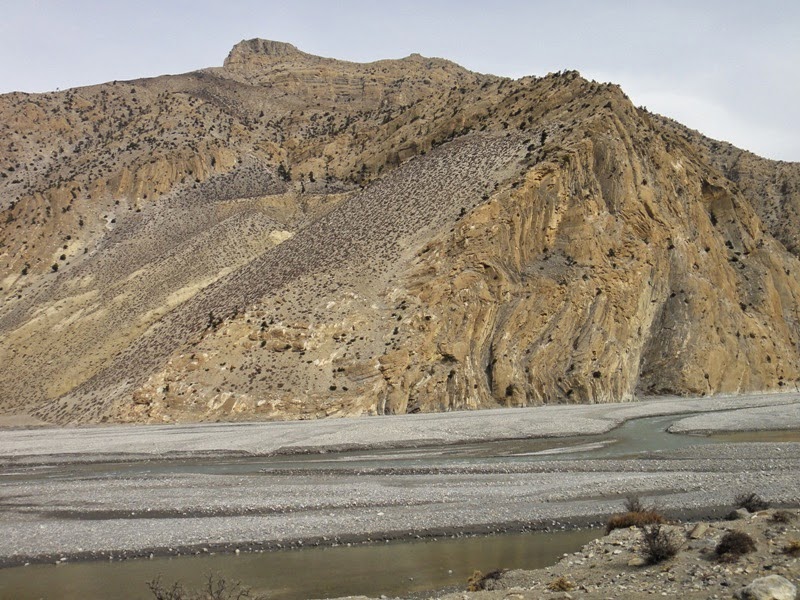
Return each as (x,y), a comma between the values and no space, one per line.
(728,68)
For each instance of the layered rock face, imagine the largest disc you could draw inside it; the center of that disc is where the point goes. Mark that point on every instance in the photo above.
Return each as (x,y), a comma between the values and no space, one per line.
(392,237)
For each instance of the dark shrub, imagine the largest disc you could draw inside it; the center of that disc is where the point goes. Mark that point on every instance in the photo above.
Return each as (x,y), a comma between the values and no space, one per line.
(734,544)
(751,501)
(658,544)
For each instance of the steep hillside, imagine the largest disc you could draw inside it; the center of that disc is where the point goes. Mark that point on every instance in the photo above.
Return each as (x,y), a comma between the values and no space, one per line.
(294,236)
(772,187)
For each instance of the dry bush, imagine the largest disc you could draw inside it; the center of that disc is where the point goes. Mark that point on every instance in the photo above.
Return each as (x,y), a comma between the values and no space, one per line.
(479,581)
(637,514)
(733,545)
(634,504)
(634,519)
(175,592)
(792,548)
(751,501)
(560,584)
(216,588)
(658,544)
(782,516)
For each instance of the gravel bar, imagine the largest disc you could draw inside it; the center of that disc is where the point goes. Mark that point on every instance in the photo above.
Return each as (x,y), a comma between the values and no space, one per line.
(62,495)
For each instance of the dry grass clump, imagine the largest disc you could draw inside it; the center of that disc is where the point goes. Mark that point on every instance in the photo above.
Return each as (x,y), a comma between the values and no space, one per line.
(478,581)
(751,501)
(792,548)
(658,544)
(733,545)
(634,519)
(560,584)
(636,514)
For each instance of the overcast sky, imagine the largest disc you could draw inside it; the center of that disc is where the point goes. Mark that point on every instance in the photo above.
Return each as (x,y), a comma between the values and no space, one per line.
(728,68)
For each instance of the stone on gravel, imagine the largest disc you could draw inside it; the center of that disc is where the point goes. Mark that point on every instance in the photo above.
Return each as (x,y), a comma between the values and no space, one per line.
(773,587)
(698,531)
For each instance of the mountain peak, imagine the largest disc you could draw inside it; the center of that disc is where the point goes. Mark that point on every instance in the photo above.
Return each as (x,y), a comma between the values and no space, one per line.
(246,50)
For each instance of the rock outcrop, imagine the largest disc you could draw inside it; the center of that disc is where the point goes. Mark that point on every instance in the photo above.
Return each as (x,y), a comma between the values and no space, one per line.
(771,587)
(294,236)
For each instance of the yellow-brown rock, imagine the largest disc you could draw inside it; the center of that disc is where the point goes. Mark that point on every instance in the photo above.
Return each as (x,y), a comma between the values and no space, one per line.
(289,236)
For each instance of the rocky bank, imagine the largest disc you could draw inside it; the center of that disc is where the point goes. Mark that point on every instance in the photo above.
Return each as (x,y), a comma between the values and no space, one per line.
(613,567)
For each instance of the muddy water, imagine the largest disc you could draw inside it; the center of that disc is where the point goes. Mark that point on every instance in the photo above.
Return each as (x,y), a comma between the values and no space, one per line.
(393,568)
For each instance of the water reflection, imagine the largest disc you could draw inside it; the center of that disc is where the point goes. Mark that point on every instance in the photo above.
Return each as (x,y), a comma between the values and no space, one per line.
(393,568)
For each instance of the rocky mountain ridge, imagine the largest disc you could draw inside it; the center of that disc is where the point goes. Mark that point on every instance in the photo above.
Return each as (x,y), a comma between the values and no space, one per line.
(289,236)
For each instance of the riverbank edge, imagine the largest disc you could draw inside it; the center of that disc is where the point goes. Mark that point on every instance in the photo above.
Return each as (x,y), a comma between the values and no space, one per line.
(582,522)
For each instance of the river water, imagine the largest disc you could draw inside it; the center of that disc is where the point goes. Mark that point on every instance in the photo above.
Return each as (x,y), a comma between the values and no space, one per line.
(375,569)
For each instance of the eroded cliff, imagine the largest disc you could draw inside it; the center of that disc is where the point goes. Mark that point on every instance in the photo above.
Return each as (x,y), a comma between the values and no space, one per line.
(293,236)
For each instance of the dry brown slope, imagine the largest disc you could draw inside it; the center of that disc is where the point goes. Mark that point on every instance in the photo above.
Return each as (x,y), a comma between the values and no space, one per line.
(126,176)
(620,261)
(614,257)
(71,161)
(104,297)
(359,239)
(605,274)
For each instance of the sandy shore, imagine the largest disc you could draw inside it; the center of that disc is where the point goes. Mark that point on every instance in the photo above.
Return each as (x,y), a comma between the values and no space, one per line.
(64,495)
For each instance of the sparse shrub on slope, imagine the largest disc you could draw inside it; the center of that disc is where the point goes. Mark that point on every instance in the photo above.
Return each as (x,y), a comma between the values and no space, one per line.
(658,544)
(751,501)
(733,545)
(560,584)
(636,514)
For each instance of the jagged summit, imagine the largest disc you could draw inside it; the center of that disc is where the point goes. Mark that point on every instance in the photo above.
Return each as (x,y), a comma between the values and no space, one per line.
(258,54)
(297,236)
(247,50)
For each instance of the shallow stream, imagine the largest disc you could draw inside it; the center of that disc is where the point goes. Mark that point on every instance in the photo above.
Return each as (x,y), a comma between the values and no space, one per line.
(633,438)
(391,568)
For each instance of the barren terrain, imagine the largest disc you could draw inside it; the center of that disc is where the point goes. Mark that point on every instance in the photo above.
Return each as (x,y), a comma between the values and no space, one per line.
(289,236)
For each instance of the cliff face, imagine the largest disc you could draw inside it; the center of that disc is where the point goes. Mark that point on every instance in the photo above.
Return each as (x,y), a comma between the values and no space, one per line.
(326,238)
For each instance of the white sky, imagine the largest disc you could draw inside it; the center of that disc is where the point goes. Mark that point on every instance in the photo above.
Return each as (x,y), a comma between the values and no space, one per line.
(730,69)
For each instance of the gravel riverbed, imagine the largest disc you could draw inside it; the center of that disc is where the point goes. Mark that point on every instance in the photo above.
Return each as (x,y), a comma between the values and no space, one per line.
(95,493)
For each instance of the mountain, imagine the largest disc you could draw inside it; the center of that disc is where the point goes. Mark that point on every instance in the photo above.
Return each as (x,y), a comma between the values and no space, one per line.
(290,236)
